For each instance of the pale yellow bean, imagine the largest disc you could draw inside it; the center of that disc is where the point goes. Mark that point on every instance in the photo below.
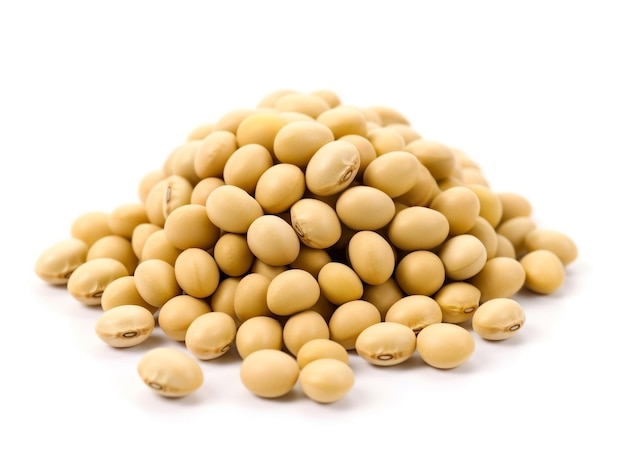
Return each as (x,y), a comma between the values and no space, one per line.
(371,257)
(321,349)
(349,319)
(498,319)
(445,345)
(272,240)
(170,372)
(544,270)
(326,380)
(125,325)
(292,291)
(269,373)
(89,280)
(210,335)
(332,168)
(259,332)
(385,344)
(57,262)
(316,223)
(303,327)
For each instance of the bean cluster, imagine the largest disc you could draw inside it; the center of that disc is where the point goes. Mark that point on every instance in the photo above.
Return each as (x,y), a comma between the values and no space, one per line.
(297,231)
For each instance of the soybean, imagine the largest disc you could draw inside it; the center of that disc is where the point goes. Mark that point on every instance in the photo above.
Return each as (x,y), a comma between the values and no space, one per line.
(170,372)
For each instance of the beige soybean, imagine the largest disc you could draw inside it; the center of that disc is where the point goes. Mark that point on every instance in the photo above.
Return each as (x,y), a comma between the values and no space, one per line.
(500,277)
(123,291)
(387,115)
(196,272)
(365,208)
(490,203)
(156,281)
(505,247)
(298,141)
(200,131)
(232,209)
(324,307)
(415,228)
(251,297)
(385,140)
(114,247)
(246,165)
(385,344)
(292,291)
(125,218)
(223,299)
(383,296)
(303,327)
(514,205)
(189,226)
(557,242)
(423,191)
(436,157)
(269,271)
(125,325)
(498,319)
(167,195)
(321,348)
(330,97)
(316,223)
(158,246)
(483,230)
(57,262)
(311,259)
(260,332)
(393,172)
(178,313)
(371,257)
(332,168)
(293,116)
(90,226)
(420,273)
(308,104)
(260,128)
(210,335)
(203,189)
(88,281)
(213,152)
(149,180)
(406,131)
(349,319)
(269,373)
(232,254)
(279,187)
(462,256)
(458,301)
(445,345)
(170,372)
(272,240)
(183,160)
(269,100)
(344,120)
(367,153)
(415,311)
(231,120)
(515,230)
(140,236)
(544,270)
(339,283)
(460,206)
(326,380)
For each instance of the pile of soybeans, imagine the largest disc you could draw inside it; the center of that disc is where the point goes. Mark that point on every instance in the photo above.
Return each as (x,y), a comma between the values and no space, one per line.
(297,232)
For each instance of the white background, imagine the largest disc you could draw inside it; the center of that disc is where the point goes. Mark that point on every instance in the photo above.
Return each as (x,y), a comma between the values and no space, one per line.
(93,95)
